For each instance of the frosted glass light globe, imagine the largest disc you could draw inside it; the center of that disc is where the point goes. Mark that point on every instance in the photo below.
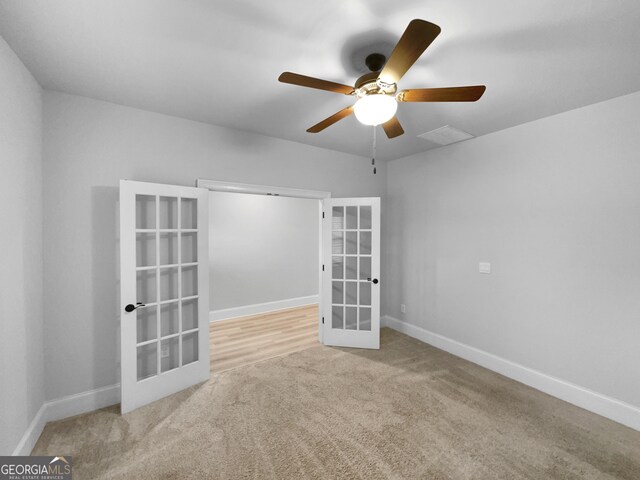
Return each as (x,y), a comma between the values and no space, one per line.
(375,109)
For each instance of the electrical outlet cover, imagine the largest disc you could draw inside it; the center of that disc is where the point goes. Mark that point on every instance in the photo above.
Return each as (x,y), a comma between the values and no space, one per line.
(484,267)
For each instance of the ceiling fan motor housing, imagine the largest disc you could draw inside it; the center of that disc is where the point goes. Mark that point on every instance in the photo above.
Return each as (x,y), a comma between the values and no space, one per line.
(375,61)
(368,83)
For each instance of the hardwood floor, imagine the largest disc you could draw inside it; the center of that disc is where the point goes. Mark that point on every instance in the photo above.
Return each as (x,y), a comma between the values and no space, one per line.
(245,340)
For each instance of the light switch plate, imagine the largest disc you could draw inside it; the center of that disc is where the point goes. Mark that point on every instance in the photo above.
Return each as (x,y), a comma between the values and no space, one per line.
(484,267)
(403,308)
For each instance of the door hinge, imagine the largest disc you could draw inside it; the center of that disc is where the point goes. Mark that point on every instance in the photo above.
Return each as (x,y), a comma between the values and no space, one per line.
(323,268)
(323,320)
(322,214)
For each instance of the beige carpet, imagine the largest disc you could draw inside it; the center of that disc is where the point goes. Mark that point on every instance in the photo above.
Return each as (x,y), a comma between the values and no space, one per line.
(405,411)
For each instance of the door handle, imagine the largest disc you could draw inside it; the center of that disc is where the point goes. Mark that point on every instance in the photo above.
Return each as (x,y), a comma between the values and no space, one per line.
(131,307)
(374,281)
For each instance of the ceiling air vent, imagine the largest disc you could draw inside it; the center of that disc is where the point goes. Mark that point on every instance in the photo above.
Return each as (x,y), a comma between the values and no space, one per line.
(446,135)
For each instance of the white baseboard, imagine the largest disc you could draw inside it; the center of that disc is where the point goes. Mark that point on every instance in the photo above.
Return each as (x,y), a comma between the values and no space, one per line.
(65,407)
(595,402)
(31,435)
(258,308)
(82,402)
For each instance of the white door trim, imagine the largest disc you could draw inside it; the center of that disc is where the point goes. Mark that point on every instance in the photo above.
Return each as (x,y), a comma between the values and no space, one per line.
(235,187)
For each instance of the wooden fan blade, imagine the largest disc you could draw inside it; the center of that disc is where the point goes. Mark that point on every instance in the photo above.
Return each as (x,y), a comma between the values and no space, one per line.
(393,128)
(311,82)
(327,122)
(415,40)
(450,94)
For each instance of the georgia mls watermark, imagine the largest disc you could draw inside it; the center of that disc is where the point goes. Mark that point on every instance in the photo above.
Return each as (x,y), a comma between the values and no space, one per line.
(35,468)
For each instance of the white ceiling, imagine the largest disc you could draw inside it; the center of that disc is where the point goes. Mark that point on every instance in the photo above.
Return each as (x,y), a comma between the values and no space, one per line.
(218,61)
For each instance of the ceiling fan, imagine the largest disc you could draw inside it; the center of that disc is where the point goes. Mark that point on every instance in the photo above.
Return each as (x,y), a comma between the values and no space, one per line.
(376,91)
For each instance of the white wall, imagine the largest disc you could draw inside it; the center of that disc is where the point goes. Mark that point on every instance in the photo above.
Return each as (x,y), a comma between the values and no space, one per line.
(88,146)
(262,249)
(21,360)
(554,205)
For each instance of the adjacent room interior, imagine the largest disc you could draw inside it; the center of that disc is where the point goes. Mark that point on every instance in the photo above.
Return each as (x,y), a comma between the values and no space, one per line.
(264,256)
(344,239)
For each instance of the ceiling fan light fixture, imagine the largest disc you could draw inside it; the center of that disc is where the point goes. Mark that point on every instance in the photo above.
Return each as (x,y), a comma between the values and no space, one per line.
(377,91)
(375,109)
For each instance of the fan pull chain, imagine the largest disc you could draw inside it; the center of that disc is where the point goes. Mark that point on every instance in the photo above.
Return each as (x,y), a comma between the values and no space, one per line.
(373,158)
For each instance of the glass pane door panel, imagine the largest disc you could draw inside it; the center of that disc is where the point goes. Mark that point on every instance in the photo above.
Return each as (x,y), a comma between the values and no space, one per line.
(352,217)
(337,270)
(145,211)
(169,320)
(169,212)
(337,293)
(169,354)
(189,348)
(337,317)
(337,243)
(147,360)
(352,243)
(189,281)
(351,293)
(145,249)
(168,248)
(365,294)
(189,314)
(189,247)
(365,217)
(365,268)
(147,328)
(351,318)
(189,212)
(351,268)
(338,218)
(365,318)
(146,287)
(365,243)
(169,283)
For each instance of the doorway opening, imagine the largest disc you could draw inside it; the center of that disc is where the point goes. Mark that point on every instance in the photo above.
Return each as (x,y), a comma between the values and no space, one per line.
(265,272)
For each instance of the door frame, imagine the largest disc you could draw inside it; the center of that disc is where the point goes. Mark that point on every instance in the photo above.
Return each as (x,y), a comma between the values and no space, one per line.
(252,189)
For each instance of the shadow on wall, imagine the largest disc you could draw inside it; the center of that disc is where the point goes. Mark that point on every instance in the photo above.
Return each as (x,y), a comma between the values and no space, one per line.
(105,278)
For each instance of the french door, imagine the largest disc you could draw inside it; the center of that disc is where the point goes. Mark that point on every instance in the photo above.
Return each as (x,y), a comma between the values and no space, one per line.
(351,288)
(164,282)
